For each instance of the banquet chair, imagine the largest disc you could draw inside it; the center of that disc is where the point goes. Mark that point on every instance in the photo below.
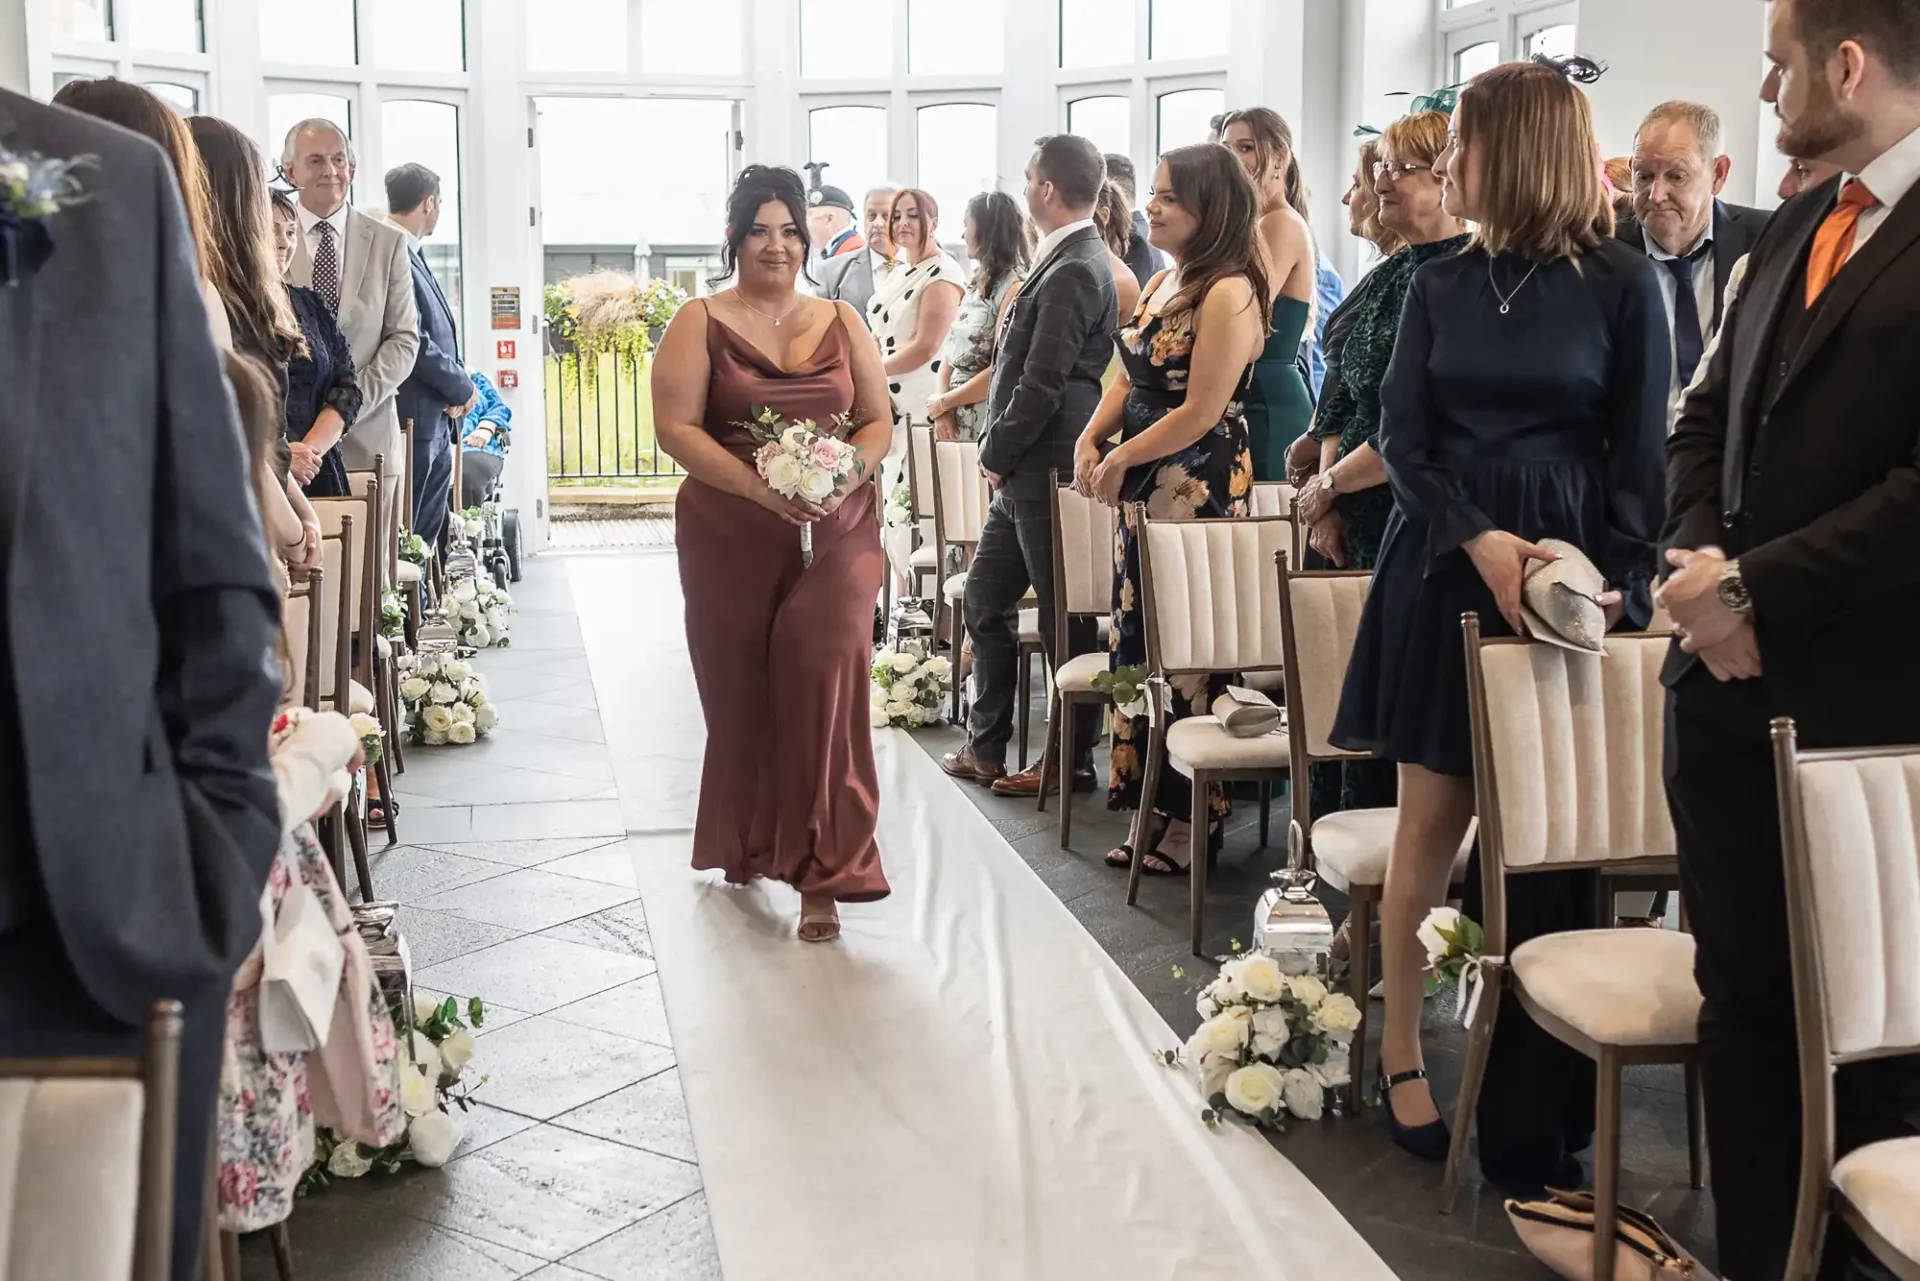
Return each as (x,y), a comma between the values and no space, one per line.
(1211,604)
(342,548)
(960,500)
(410,577)
(922,561)
(382,678)
(1083,531)
(86,1173)
(1567,758)
(300,626)
(1319,619)
(373,689)
(1850,830)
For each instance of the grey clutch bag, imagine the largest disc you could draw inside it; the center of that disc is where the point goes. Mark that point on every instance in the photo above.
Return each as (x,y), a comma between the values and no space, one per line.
(1556,600)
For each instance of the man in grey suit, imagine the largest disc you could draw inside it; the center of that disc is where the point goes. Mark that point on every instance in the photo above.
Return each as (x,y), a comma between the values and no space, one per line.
(851,278)
(1055,344)
(360,266)
(138,812)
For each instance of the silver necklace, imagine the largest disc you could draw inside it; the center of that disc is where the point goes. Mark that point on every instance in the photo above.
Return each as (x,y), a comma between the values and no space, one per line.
(763,315)
(1506,300)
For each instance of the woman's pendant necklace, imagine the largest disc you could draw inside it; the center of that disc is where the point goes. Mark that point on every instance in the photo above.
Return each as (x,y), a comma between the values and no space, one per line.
(764,316)
(1506,300)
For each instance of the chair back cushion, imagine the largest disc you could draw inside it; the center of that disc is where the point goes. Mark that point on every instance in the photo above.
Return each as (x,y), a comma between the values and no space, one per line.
(1086,550)
(334,588)
(1326,619)
(69,1178)
(1863,852)
(330,510)
(963,490)
(1274,498)
(1215,596)
(920,465)
(295,613)
(1577,743)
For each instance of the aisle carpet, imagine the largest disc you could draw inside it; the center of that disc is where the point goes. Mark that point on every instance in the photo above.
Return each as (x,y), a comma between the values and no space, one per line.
(963,1086)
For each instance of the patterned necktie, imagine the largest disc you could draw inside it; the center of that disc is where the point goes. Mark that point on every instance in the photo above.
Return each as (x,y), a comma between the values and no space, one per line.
(326,267)
(1833,243)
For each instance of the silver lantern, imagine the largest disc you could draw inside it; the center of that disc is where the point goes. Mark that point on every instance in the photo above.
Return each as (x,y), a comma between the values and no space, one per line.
(1291,925)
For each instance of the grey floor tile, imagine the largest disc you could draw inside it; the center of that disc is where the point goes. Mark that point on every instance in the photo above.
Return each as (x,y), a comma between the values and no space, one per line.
(548,1192)
(511,786)
(436,825)
(560,1272)
(535,682)
(634,1009)
(487,1125)
(534,974)
(577,694)
(419,800)
(676,1244)
(610,865)
(433,937)
(649,1114)
(532,631)
(338,1236)
(410,873)
(541,1068)
(579,724)
(528,899)
(497,1016)
(619,929)
(548,818)
(529,853)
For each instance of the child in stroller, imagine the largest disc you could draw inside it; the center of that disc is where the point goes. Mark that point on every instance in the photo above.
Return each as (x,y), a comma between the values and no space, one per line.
(483,453)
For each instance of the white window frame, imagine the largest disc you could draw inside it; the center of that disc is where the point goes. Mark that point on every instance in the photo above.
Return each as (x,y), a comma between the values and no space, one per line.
(1142,81)
(1507,23)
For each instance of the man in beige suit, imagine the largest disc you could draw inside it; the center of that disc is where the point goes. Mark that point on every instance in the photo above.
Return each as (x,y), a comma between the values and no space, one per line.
(359,266)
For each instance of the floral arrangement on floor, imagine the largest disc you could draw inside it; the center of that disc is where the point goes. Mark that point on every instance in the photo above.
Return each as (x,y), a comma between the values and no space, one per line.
(1127,687)
(478,610)
(413,548)
(800,462)
(899,509)
(444,700)
(1272,1044)
(439,1052)
(472,522)
(909,690)
(393,614)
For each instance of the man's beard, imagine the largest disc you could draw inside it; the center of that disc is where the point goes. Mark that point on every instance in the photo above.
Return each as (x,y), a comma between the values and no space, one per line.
(1822,128)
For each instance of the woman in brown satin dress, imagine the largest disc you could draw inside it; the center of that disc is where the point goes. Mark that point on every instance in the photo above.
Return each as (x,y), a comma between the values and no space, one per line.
(781,653)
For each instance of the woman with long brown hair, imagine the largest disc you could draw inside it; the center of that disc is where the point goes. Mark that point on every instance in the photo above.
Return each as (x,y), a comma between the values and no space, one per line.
(1279,407)
(1526,400)
(1186,361)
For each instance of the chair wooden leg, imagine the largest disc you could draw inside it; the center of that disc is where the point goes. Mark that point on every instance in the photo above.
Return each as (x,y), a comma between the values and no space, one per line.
(357,839)
(230,1256)
(1143,814)
(1696,1130)
(959,668)
(1197,852)
(1049,747)
(1479,1046)
(1063,768)
(384,773)
(1606,1162)
(1266,810)
(335,841)
(282,1241)
(1026,701)
(1359,983)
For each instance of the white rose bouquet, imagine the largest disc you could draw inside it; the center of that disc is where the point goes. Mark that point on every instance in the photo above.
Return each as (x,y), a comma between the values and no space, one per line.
(1453,944)
(445,701)
(479,611)
(801,462)
(909,691)
(1271,1044)
(899,509)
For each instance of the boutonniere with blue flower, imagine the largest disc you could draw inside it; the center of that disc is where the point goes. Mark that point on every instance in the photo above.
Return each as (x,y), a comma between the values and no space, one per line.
(32,190)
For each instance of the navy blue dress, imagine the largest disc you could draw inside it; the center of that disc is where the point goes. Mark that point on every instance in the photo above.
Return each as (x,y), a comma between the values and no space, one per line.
(1547,422)
(323,378)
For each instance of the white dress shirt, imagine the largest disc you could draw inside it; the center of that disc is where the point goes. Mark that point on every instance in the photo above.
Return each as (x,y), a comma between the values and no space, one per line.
(1703,300)
(310,221)
(1890,177)
(1051,241)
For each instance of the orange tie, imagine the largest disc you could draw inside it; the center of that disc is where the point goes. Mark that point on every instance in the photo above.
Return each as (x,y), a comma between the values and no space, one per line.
(1833,243)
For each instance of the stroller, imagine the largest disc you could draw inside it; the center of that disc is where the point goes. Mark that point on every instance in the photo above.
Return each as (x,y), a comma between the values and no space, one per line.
(490,531)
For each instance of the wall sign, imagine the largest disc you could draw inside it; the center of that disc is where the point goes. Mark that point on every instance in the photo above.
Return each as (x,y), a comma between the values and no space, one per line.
(504,349)
(506,306)
(507,379)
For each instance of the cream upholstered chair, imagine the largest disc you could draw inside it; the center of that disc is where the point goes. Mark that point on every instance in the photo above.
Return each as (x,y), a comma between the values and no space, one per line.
(1567,753)
(372,689)
(300,626)
(1083,530)
(1212,604)
(1319,619)
(923,568)
(87,1159)
(960,499)
(339,548)
(1850,828)
(379,675)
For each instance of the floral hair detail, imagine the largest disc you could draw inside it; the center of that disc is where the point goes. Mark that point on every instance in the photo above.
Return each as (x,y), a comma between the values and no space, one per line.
(1582,71)
(1439,100)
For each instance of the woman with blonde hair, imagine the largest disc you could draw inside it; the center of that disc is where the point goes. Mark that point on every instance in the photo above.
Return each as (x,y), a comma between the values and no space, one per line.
(1279,406)
(1526,400)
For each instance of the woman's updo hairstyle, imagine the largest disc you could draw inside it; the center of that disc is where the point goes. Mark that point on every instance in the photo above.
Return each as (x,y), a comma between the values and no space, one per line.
(758,185)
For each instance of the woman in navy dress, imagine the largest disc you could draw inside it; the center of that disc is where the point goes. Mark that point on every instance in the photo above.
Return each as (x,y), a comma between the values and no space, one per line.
(1526,400)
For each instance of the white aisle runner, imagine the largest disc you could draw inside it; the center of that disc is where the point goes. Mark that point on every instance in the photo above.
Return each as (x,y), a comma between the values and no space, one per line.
(962,1087)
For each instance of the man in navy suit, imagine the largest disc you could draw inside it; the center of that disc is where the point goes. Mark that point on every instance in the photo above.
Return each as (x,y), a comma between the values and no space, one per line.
(438,394)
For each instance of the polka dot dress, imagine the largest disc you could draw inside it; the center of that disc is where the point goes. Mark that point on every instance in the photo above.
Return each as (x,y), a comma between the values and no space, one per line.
(894,317)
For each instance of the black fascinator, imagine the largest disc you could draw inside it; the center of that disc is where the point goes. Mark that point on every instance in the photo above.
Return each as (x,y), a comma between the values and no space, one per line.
(1582,71)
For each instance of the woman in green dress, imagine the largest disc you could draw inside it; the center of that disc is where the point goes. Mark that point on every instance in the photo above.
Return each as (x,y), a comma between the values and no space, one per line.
(1279,406)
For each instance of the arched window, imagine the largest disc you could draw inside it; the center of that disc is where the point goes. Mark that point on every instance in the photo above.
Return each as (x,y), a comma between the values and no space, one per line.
(852,142)
(428,133)
(1105,120)
(1186,117)
(184,99)
(956,158)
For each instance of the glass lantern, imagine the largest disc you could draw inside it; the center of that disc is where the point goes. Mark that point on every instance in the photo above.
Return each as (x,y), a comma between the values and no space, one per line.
(1291,924)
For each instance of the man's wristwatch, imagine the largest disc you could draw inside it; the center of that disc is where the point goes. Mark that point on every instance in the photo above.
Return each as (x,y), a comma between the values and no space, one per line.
(1733,589)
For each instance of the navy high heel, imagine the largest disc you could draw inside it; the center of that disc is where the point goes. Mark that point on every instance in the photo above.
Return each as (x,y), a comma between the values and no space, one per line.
(1428,1142)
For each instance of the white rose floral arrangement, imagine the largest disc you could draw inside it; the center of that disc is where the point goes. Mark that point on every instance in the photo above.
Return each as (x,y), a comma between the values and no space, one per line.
(479,610)
(909,691)
(445,701)
(899,508)
(1271,1045)
(439,1051)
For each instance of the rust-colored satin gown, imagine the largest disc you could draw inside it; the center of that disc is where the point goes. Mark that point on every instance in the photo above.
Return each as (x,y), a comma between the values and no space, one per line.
(782,655)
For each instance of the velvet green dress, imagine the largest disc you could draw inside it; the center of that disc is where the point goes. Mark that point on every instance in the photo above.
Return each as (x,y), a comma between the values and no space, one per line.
(1278,406)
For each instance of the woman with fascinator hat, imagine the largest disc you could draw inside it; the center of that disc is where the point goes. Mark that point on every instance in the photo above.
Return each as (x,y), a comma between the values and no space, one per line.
(1525,400)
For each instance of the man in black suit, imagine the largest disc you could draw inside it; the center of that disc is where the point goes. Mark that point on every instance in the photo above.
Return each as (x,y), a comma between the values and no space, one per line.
(1793,522)
(1143,260)
(438,395)
(1055,344)
(1681,223)
(138,811)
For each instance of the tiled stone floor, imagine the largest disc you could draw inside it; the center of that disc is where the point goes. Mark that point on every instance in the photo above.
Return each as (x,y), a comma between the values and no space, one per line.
(579,1163)
(518,884)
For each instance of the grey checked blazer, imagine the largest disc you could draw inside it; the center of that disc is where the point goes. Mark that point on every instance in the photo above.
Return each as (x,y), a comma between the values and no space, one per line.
(1055,346)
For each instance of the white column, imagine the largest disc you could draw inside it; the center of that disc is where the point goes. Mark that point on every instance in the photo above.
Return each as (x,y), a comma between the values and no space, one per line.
(772,109)
(1030,104)
(504,249)
(238,93)
(20,20)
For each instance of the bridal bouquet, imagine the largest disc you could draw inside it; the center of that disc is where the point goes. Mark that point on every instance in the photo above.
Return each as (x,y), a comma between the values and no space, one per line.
(909,690)
(444,701)
(1272,1043)
(799,461)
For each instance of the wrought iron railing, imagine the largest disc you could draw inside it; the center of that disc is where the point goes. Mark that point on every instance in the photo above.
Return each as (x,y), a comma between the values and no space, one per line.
(600,426)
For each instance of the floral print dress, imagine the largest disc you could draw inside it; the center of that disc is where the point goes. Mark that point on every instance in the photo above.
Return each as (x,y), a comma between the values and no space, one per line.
(1213,477)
